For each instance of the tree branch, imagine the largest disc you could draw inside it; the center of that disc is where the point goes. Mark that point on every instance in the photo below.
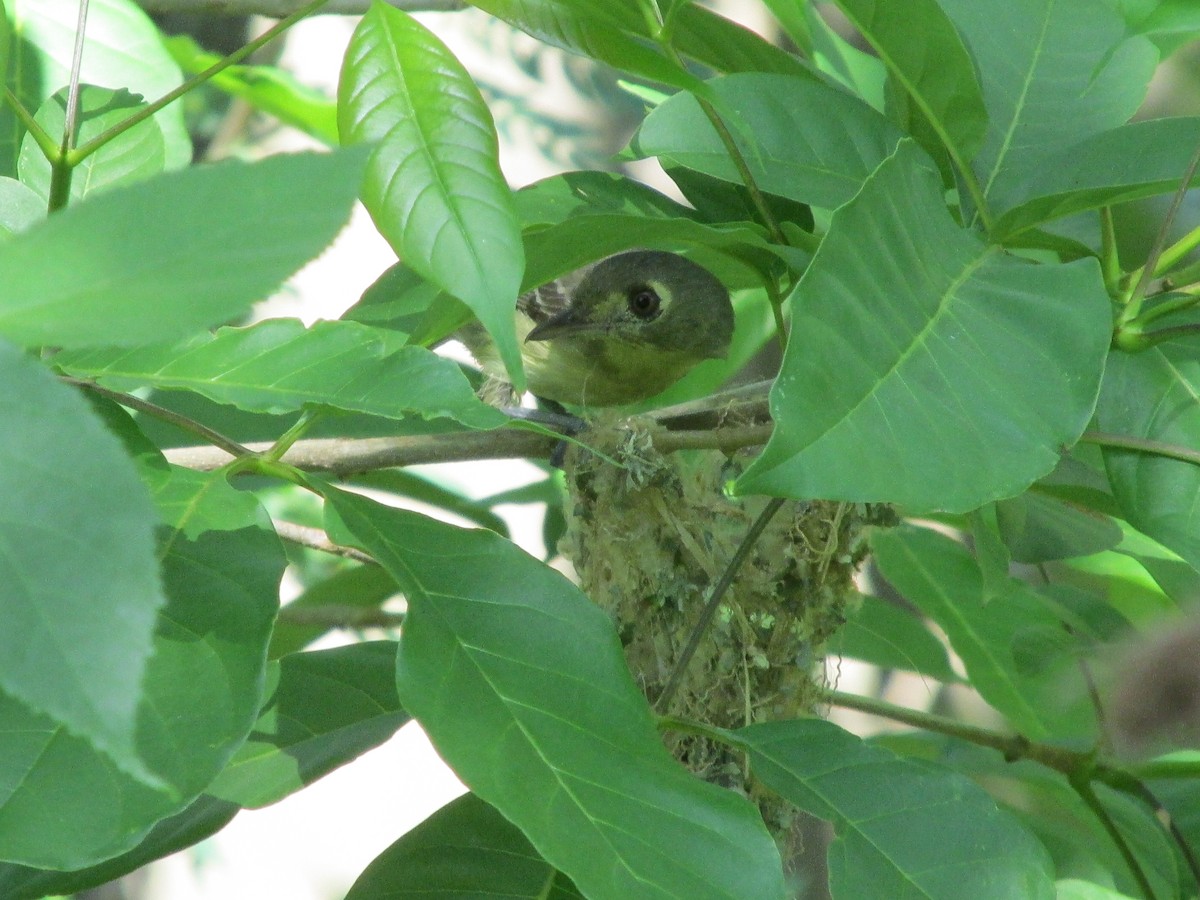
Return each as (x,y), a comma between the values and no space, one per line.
(277,9)
(317,539)
(727,421)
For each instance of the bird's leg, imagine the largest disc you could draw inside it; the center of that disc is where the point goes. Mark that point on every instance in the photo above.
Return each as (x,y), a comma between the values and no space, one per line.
(553,415)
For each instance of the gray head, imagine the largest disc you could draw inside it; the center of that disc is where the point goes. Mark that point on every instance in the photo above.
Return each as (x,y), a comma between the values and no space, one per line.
(648,297)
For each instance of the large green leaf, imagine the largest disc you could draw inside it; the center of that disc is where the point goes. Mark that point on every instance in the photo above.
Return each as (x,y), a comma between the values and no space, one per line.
(519,681)
(202,819)
(280,366)
(200,695)
(326,708)
(433,185)
(464,849)
(890,637)
(924,367)
(904,828)
(801,138)
(77,562)
(1124,163)
(1155,395)
(167,256)
(1053,72)
(1011,643)
(20,207)
(123,50)
(132,156)
(926,55)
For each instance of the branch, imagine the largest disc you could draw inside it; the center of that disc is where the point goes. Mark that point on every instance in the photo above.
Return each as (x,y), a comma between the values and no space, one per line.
(277,9)
(727,421)
(317,539)
(714,601)
(341,616)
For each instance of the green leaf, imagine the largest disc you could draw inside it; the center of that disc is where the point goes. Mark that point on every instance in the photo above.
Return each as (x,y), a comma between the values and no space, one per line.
(887,636)
(719,43)
(195,502)
(1168,23)
(433,184)
(20,207)
(133,155)
(351,587)
(124,50)
(1053,72)
(904,828)
(281,366)
(519,681)
(1154,395)
(223,236)
(1077,889)
(562,248)
(924,367)
(1038,528)
(204,818)
(78,565)
(327,708)
(924,52)
(1006,638)
(1125,163)
(614,33)
(464,849)
(267,88)
(802,139)
(201,694)
(399,301)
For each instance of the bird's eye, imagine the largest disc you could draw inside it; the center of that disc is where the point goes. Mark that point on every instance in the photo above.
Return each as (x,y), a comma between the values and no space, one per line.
(644,303)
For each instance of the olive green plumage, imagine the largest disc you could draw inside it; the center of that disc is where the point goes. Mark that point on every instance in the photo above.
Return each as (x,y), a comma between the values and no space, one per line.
(617,331)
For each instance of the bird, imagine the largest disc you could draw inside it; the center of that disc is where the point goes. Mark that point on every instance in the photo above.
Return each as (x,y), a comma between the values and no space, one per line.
(614,332)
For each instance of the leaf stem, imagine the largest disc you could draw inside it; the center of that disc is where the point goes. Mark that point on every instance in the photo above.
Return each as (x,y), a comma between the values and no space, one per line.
(81,153)
(1110,258)
(284,442)
(215,438)
(714,601)
(1144,445)
(1087,793)
(1181,299)
(61,170)
(40,135)
(1133,302)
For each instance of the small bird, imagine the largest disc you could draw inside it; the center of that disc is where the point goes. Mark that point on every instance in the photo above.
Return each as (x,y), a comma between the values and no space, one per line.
(615,332)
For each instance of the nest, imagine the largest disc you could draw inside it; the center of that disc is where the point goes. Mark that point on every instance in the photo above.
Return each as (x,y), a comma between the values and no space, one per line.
(649,539)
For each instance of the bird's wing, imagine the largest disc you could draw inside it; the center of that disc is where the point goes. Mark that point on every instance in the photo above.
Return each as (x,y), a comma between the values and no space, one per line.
(544,302)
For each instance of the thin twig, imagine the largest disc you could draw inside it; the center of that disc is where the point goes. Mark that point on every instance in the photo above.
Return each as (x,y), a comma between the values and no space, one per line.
(226,446)
(1087,793)
(341,616)
(714,602)
(170,97)
(317,539)
(277,9)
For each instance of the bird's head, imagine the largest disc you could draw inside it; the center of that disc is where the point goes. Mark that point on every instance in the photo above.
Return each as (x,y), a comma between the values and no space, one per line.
(647,298)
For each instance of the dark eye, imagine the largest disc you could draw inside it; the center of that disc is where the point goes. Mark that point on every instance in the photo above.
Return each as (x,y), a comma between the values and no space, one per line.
(644,303)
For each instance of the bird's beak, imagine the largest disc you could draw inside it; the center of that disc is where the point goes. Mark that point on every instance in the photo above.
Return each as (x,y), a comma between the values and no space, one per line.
(558,326)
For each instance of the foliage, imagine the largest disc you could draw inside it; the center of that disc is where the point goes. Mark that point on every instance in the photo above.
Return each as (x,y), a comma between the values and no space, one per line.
(932,224)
